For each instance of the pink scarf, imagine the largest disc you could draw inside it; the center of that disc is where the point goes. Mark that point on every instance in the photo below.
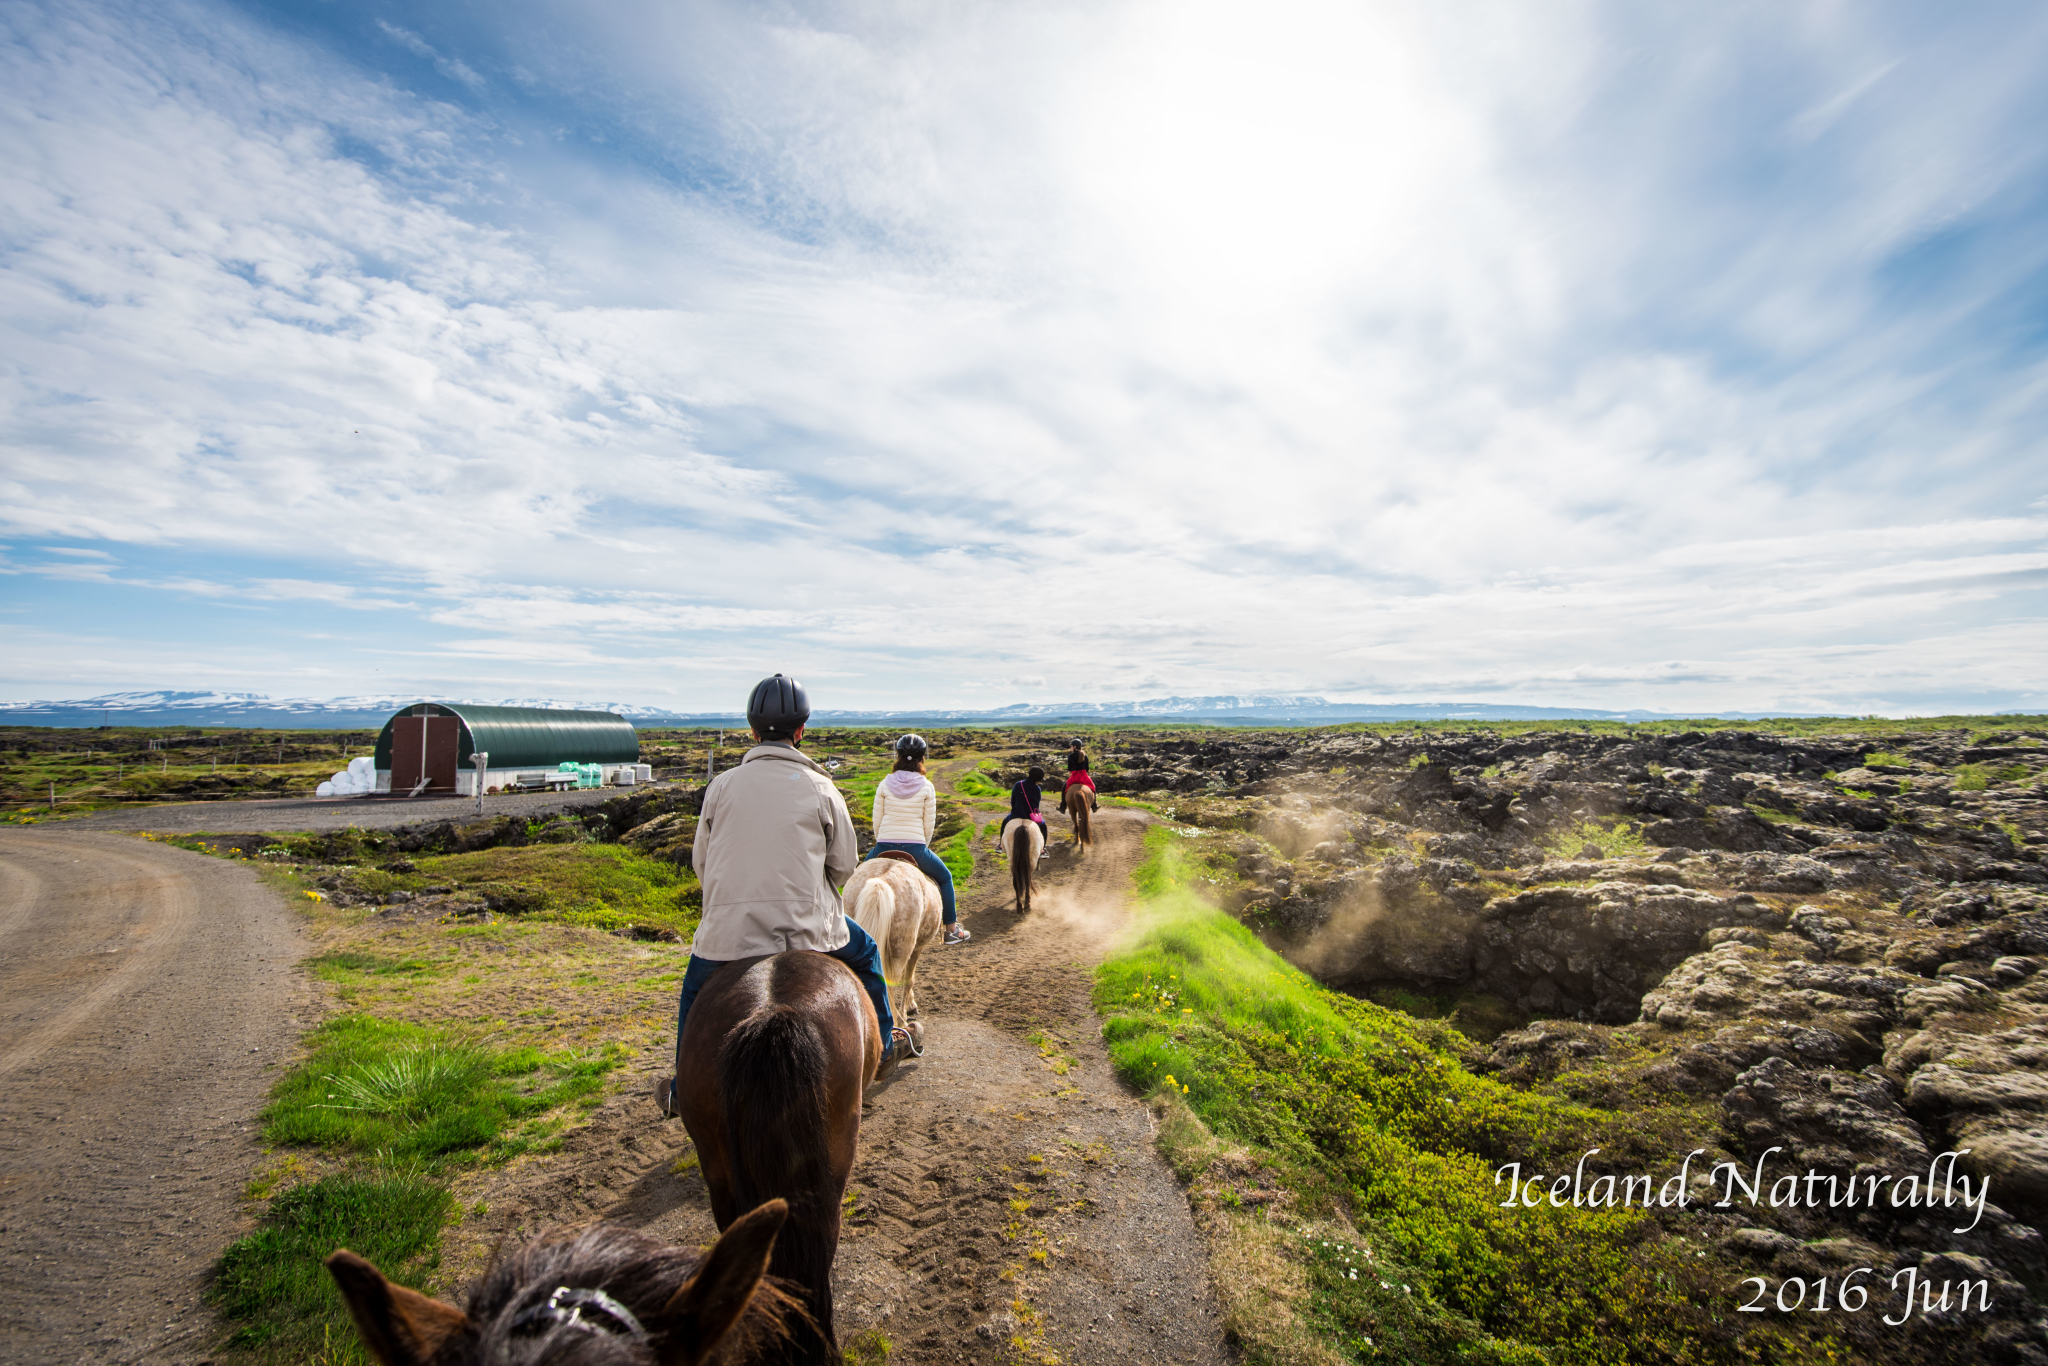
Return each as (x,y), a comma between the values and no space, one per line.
(904,784)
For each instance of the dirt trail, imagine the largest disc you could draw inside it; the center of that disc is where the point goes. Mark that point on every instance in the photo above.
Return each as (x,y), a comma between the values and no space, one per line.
(1008,1204)
(144,993)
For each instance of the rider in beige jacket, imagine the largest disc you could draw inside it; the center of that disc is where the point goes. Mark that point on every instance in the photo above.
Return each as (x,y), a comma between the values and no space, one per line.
(773,840)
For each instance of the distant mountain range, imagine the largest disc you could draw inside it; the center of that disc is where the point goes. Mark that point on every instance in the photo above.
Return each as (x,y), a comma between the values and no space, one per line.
(356,713)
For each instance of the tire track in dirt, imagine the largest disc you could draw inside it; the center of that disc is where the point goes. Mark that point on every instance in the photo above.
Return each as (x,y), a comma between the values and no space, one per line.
(144,993)
(1007,1204)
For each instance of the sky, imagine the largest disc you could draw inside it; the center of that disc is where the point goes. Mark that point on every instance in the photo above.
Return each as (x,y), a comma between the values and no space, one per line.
(1687,358)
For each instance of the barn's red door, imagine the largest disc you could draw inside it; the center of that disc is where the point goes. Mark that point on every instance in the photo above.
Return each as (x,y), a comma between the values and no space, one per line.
(424,743)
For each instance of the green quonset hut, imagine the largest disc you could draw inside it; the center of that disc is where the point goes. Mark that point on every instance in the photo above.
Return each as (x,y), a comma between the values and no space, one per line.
(436,740)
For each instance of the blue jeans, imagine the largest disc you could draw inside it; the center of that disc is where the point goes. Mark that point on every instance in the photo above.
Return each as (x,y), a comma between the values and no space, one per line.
(931,865)
(859,952)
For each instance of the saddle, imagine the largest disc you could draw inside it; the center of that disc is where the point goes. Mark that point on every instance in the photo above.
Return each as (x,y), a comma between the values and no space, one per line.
(898,855)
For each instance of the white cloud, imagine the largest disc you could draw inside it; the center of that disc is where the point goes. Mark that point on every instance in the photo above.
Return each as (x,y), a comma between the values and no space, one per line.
(1107,349)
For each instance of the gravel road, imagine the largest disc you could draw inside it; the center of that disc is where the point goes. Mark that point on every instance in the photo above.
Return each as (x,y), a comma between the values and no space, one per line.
(146,994)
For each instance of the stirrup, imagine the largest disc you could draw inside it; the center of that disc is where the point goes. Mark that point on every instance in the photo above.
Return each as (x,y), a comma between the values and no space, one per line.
(906,1040)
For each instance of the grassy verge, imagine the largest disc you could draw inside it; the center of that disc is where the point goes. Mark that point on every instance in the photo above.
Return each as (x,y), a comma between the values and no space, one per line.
(958,854)
(488,1001)
(1343,1156)
(273,1281)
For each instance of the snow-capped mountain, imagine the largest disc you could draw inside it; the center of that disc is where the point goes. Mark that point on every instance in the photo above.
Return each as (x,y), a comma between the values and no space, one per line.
(168,708)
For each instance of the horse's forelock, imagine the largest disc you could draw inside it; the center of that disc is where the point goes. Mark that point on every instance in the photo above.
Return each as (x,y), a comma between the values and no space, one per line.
(640,1272)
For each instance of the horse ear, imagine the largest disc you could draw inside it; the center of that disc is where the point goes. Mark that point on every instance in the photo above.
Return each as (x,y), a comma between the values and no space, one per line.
(401,1327)
(705,1309)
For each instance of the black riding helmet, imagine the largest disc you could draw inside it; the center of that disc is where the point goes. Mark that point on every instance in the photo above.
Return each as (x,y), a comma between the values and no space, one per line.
(912,747)
(777,707)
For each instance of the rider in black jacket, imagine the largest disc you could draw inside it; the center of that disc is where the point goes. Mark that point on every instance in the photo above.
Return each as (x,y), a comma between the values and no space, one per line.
(1024,799)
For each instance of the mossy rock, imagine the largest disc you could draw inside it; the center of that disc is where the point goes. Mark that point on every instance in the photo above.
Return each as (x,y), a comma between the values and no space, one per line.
(662,833)
(490,834)
(512,898)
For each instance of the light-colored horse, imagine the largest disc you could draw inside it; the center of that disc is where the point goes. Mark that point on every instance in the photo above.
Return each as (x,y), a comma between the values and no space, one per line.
(1023,841)
(1078,802)
(895,902)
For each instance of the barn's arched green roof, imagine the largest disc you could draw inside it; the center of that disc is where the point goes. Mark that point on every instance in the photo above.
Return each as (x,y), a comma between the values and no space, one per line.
(530,737)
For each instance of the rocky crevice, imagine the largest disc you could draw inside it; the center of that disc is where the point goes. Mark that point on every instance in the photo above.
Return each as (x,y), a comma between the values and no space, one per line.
(1835,944)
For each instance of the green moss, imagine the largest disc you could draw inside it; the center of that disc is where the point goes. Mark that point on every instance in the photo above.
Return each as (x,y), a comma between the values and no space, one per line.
(602,886)
(857,782)
(979,782)
(1615,839)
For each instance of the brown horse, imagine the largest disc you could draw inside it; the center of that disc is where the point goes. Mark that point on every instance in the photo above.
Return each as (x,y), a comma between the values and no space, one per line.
(1078,802)
(770,1070)
(897,904)
(1023,841)
(597,1296)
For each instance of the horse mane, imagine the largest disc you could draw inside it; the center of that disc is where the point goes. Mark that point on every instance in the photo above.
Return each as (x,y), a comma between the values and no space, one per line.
(642,1273)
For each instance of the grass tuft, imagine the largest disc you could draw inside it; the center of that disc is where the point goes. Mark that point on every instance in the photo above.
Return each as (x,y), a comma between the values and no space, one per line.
(405,1092)
(1615,839)
(869,1348)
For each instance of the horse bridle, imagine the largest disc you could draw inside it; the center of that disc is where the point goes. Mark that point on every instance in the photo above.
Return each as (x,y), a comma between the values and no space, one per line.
(588,1311)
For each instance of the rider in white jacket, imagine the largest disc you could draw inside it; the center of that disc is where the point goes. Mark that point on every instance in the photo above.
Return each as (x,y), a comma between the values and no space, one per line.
(906,812)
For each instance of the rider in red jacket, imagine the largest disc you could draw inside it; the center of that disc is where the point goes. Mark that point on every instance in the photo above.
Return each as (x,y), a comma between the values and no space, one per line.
(1077,772)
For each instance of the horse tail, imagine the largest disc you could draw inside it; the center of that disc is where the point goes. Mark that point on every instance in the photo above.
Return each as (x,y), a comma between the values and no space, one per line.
(1020,857)
(874,910)
(1082,818)
(772,1074)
